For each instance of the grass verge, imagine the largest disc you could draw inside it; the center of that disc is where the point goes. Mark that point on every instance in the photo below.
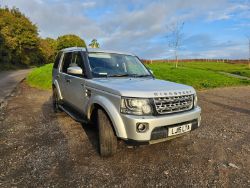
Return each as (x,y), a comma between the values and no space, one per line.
(41,77)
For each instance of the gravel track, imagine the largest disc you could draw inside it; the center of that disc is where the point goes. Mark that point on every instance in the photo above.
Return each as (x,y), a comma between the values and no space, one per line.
(41,149)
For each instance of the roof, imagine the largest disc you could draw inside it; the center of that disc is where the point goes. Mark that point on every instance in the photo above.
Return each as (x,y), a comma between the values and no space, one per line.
(95,50)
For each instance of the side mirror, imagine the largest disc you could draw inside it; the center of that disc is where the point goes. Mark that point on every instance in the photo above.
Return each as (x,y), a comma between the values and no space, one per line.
(151,71)
(74,70)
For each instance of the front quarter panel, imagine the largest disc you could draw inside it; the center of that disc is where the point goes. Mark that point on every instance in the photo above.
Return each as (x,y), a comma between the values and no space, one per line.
(111,104)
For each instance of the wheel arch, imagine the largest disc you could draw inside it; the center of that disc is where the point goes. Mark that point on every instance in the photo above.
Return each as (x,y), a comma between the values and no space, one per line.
(112,113)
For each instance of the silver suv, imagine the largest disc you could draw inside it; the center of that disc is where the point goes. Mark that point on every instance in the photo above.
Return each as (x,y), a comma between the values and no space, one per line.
(122,97)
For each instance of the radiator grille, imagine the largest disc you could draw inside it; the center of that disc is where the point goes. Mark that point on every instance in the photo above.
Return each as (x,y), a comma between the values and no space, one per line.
(173,104)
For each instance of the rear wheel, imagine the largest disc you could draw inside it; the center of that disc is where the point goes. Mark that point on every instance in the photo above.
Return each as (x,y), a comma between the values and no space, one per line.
(56,101)
(107,137)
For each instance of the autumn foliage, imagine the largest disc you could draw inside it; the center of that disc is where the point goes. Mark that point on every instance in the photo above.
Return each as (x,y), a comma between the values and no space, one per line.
(21,45)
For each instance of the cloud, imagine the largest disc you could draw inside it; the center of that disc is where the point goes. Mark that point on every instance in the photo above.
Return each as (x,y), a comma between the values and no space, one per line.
(233,52)
(229,11)
(89,4)
(138,26)
(57,18)
(205,46)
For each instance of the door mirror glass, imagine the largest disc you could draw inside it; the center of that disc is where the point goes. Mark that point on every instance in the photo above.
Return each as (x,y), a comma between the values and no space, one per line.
(74,70)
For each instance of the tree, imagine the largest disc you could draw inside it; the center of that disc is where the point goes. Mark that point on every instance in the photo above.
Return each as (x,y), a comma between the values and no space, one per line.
(19,38)
(94,44)
(20,44)
(48,48)
(69,40)
(4,52)
(176,37)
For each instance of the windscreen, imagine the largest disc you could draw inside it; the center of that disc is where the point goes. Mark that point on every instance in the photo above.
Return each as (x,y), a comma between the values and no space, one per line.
(116,65)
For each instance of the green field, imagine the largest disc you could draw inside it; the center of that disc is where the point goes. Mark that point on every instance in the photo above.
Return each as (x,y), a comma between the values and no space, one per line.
(199,75)
(239,69)
(199,78)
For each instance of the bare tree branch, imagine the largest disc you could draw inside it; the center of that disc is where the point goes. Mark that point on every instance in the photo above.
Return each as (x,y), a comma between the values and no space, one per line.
(176,36)
(248,38)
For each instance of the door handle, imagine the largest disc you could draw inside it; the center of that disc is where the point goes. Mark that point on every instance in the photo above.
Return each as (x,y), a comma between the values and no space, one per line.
(57,76)
(68,80)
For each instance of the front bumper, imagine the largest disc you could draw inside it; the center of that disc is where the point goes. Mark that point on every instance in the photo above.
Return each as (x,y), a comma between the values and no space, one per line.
(158,125)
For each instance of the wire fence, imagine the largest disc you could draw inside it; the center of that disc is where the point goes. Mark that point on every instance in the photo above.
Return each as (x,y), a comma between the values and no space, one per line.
(232,61)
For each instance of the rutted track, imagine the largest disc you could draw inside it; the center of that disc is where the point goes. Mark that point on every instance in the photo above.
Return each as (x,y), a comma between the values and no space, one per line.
(8,82)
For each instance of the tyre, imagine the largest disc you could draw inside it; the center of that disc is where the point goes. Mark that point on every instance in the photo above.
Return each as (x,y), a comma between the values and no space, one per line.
(56,101)
(107,137)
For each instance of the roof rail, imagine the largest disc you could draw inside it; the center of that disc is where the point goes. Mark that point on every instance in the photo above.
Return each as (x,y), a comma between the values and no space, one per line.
(75,48)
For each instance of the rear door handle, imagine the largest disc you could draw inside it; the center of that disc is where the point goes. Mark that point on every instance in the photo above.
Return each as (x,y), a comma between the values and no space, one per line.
(68,80)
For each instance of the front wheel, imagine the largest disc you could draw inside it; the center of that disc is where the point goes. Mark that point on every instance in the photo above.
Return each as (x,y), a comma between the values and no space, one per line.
(107,138)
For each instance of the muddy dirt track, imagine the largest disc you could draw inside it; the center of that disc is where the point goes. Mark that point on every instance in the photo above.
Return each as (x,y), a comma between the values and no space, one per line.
(41,149)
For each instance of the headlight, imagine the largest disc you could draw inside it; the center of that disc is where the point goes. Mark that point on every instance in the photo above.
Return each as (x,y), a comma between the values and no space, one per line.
(195,100)
(136,106)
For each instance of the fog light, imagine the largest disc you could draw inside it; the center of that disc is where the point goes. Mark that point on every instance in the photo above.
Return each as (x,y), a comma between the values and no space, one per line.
(141,127)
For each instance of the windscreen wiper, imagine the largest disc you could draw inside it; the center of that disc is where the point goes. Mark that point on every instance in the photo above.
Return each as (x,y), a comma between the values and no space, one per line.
(128,75)
(142,75)
(118,75)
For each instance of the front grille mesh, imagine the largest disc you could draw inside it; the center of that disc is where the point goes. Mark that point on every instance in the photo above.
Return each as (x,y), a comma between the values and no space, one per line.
(173,104)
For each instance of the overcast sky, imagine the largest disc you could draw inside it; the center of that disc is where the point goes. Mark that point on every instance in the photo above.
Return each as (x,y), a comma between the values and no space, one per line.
(212,29)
